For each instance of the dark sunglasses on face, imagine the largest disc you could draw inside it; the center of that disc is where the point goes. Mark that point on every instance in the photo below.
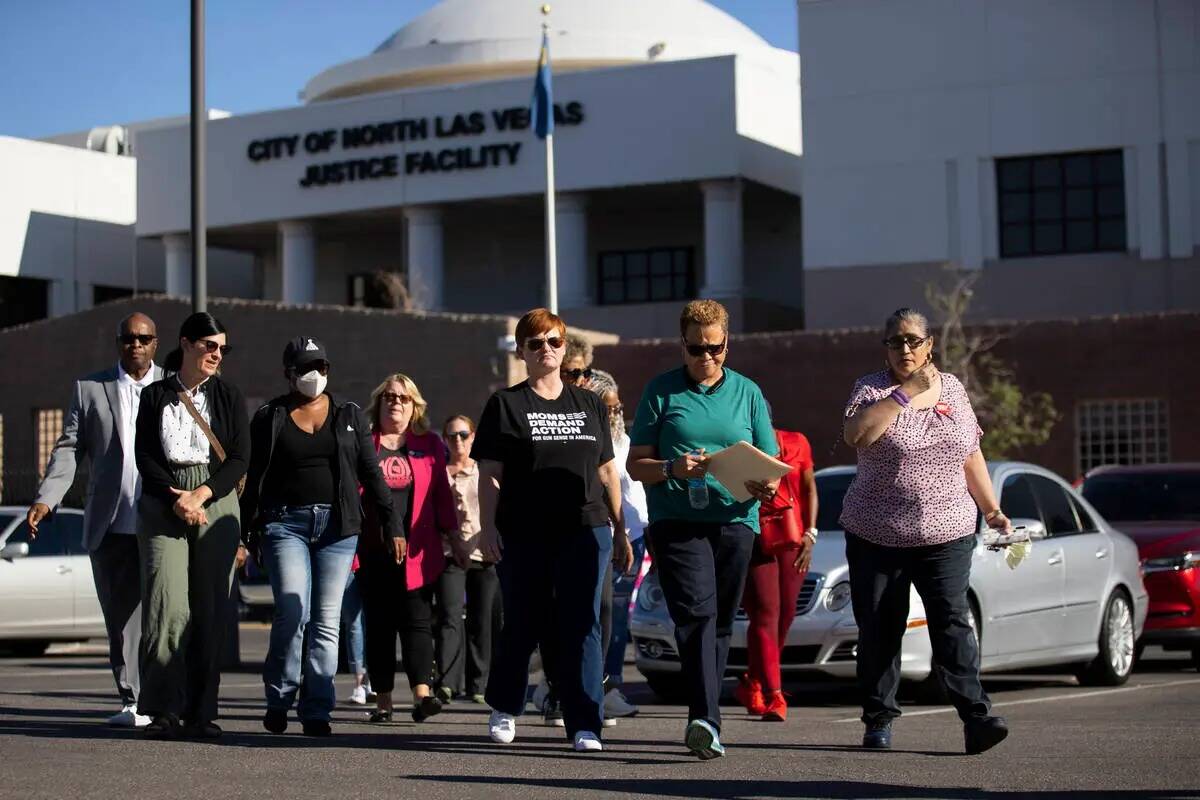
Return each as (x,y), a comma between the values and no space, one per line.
(320,366)
(211,347)
(898,342)
(144,339)
(697,350)
(576,374)
(463,435)
(534,345)
(391,398)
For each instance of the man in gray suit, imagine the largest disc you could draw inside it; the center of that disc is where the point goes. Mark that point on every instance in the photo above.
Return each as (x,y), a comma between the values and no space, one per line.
(100,427)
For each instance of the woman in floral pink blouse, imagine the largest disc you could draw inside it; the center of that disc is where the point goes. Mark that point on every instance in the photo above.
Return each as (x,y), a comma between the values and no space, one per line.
(910,519)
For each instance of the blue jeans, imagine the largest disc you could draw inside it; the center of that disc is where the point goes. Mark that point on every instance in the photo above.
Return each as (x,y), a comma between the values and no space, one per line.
(352,621)
(622,591)
(307,561)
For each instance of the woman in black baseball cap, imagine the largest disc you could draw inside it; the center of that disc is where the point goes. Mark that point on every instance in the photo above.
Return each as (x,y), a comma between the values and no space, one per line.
(310,452)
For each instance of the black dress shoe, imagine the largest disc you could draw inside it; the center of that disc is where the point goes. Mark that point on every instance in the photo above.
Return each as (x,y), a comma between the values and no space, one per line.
(878,736)
(426,708)
(201,730)
(163,726)
(316,727)
(984,733)
(275,720)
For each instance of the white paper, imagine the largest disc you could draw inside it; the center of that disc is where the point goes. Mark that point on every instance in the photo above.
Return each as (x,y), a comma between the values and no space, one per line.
(742,462)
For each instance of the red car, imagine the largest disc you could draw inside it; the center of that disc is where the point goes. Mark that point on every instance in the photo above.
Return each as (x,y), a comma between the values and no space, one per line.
(1158,506)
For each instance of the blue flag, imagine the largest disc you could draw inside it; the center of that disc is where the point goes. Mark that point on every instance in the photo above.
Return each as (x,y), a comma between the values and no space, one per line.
(542,106)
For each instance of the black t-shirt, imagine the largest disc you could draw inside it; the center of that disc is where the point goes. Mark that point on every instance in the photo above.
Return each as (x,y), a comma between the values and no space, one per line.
(397,473)
(551,451)
(302,466)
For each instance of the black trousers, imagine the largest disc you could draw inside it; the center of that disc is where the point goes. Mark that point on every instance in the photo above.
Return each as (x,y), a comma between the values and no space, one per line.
(702,569)
(389,608)
(117,573)
(880,578)
(464,648)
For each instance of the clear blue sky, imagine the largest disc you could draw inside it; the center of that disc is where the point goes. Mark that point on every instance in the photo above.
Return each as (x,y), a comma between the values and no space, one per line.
(68,65)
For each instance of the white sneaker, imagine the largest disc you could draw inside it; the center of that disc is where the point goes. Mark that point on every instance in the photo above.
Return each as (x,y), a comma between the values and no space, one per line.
(128,717)
(615,705)
(587,742)
(359,696)
(609,722)
(502,727)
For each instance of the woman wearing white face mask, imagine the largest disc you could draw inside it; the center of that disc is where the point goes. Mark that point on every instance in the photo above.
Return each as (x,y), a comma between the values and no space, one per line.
(310,452)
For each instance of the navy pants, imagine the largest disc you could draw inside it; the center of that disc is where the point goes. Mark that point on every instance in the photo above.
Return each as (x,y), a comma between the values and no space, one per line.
(550,585)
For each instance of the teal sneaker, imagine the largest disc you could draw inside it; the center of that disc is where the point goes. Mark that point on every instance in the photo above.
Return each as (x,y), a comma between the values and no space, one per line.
(703,740)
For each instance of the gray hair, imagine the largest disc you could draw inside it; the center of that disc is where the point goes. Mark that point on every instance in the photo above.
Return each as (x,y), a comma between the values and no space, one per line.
(909,315)
(578,345)
(603,383)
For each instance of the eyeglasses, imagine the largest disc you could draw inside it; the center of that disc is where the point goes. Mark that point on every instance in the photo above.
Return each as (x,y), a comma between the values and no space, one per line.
(576,374)
(697,350)
(898,342)
(463,435)
(320,366)
(534,345)
(211,347)
(617,410)
(392,398)
(144,339)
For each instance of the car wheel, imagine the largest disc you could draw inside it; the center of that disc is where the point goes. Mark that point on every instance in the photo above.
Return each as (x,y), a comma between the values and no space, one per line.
(667,686)
(1114,663)
(25,649)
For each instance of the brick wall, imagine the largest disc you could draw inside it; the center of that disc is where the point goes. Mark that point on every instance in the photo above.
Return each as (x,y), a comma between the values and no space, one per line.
(807,376)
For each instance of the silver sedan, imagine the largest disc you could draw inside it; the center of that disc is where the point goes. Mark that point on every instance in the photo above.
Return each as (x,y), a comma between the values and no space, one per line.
(1076,601)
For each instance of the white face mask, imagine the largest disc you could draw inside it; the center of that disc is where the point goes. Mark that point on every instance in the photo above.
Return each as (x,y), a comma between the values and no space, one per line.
(310,384)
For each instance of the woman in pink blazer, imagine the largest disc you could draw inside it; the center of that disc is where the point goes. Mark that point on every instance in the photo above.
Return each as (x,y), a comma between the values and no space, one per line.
(400,576)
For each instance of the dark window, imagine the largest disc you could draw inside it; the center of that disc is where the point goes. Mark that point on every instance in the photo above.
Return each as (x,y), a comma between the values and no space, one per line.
(22,300)
(831,491)
(641,276)
(1056,506)
(1145,496)
(70,527)
(1086,523)
(376,290)
(1073,203)
(1016,498)
(49,541)
(106,294)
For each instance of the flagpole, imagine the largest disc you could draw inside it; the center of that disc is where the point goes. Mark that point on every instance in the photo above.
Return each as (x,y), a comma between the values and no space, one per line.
(551,233)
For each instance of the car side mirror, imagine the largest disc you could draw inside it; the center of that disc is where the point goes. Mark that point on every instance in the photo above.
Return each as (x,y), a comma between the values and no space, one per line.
(1034,527)
(15,550)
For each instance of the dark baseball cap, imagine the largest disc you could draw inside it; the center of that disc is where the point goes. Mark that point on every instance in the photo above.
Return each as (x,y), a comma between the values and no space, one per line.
(302,351)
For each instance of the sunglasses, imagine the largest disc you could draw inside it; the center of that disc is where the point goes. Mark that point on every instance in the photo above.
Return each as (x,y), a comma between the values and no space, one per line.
(463,435)
(320,366)
(534,345)
(211,347)
(898,342)
(144,339)
(576,374)
(616,410)
(391,398)
(697,350)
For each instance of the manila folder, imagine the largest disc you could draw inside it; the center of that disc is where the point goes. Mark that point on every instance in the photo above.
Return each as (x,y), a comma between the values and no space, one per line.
(742,462)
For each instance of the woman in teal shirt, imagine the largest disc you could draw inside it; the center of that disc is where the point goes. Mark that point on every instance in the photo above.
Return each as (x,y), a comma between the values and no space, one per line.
(701,551)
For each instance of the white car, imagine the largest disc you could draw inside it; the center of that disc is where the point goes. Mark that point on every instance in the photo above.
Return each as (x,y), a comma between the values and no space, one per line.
(1078,599)
(46,588)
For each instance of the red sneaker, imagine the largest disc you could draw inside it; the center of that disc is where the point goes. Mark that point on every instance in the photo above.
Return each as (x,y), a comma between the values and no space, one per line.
(776,708)
(748,692)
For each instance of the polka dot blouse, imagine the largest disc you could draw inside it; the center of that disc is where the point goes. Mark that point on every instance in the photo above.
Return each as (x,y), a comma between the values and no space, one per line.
(911,489)
(183,442)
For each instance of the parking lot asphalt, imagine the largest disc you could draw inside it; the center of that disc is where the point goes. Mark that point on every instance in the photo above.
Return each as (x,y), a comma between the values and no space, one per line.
(1139,740)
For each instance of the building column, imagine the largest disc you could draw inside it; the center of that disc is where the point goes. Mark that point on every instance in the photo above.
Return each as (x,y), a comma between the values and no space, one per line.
(60,297)
(722,238)
(1149,199)
(570,219)
(178,247)
(298,249)
(1179,200)
(425,256)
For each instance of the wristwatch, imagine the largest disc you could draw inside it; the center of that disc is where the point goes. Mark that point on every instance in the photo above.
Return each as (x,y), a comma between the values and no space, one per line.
(666,468)
(811,533)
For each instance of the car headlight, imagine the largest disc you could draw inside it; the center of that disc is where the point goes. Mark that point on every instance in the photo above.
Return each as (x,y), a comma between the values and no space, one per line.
(650,596)
(1170,563)
(838,596)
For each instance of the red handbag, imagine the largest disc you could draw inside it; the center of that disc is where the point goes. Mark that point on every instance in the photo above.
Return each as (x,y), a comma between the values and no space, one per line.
(779,524)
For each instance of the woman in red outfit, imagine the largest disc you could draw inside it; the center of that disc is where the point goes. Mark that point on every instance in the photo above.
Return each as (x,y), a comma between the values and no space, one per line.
(774,583)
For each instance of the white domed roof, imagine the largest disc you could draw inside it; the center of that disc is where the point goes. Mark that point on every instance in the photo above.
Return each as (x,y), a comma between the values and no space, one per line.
(461,41)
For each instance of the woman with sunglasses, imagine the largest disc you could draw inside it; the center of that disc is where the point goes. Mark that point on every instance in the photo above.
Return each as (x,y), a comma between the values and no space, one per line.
(548,489)
(464,630)
(400,575)
(312,450)
(701,540)
(910,520)
(192,447)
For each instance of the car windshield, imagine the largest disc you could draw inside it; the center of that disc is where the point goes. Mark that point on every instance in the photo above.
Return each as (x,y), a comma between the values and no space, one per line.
(1145,497)
(831,490)
(6,518)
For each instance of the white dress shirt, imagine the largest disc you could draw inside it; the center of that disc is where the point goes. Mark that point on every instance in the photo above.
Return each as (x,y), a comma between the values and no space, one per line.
(183,442)
(129,397)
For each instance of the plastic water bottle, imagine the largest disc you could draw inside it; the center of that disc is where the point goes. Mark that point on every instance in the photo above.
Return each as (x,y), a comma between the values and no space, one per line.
(698,488)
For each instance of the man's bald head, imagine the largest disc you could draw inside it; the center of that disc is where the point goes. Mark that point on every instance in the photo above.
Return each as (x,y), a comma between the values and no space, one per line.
(137,342)
(139,320)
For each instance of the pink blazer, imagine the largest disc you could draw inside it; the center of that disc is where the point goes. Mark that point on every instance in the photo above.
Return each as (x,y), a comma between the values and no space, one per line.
(432,509)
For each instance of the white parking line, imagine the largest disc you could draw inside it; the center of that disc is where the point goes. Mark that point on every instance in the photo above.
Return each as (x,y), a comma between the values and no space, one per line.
(1052,698)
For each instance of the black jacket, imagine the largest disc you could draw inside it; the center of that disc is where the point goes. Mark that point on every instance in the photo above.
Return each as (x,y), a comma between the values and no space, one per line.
(227,411)
(357,465)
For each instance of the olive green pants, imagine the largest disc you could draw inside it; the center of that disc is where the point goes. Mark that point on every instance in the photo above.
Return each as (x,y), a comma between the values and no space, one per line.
(187,576)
